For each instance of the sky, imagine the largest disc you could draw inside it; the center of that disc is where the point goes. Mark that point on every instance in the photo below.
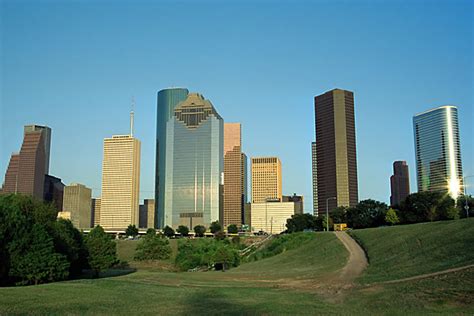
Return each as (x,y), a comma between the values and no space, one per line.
(75,65)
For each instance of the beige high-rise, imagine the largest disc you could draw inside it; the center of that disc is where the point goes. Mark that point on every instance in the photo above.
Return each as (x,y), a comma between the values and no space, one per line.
(234,175)
(77,201)
(120,182)
(266,179)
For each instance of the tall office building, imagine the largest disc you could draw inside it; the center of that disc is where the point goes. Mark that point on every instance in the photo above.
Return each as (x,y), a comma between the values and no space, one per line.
(266,179)
(399,183)
(194,163)
(147,214)
(314,168)
(95,212)
(27,169)
(77,202)
(336,161)
(167,101)
(53,191)
(234,175)
(120,181)
(438,151)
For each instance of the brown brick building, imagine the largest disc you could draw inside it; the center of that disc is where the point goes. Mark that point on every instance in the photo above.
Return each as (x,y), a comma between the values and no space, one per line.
(335,155)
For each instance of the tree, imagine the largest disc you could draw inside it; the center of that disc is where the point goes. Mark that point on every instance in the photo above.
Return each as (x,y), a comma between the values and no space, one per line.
(168,231)
(131,230)
(300,222)
(102,250)
(215,227)
(224,256)
(219,235)
(153,247)
(183,230)
(338,214)
(150,232)
(232,229)
(426,206)
(325,223)
(199,230)
(391,217)
(461,205)
(34,261)
(367,213)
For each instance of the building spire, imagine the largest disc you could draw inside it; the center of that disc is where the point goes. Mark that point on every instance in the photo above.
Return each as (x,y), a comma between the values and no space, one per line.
(132,116)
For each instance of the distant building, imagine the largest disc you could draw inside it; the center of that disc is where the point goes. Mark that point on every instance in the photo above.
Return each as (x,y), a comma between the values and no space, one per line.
(77,201)
(266,179)
(399,183)
(53,191)
(26,170)
(64,215)
(120,182)
(314,168)
(271,217)
(95,212)
(438,151)
(147,214)
(336,162)
(235,174)
(190,184)
(297,199)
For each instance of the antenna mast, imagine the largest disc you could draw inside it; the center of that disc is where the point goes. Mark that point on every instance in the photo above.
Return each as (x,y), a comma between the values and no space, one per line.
(132,116)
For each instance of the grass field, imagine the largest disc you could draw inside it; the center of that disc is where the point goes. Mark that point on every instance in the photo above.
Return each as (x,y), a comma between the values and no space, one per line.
(292,282)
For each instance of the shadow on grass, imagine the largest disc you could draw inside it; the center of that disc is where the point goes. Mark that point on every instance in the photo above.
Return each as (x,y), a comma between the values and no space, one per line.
(110,273)
(214,302)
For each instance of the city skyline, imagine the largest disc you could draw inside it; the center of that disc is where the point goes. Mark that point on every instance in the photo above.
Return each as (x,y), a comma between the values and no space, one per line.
(383,120)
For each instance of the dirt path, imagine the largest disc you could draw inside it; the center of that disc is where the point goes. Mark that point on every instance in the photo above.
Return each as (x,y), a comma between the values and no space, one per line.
(357,260)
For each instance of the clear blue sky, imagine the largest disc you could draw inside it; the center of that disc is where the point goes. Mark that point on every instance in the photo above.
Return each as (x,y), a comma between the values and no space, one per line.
(74,66)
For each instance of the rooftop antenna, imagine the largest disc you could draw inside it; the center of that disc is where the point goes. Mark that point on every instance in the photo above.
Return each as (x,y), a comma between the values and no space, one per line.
(131,116)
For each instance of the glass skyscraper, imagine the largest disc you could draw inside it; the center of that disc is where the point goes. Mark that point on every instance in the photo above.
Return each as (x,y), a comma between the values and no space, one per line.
(437,150)
(190,161)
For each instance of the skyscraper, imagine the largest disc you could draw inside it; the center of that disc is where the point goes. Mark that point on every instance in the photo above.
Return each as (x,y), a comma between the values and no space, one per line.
(234,175)
(95,210)
(266,179)
(193,162)
(167,101)
(77,201)
(120,181)
(438,151)
(399,183)
(336,161)
(26,170)
(314,168)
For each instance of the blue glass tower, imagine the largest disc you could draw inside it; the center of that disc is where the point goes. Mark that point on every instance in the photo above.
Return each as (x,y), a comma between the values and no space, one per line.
(167,101)
(437,150)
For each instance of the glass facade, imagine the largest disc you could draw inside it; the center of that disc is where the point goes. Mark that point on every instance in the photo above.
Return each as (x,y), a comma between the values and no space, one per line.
(167,101)
(437,150)
(193,159)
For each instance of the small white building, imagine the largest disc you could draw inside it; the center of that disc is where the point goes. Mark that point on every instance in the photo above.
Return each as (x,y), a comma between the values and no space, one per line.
(271,217)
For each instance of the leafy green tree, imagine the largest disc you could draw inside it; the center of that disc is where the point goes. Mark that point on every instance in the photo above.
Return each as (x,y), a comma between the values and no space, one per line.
(367,213)
(34,261)
(426,206)
(150,232)
(131,230)
(391,217)
(102,250)
(232,229)
(225,256)
(153,247)
(338,214)
(461,205)
(300,222)
(168,231)
(183,230)
(199,230)
(215,227)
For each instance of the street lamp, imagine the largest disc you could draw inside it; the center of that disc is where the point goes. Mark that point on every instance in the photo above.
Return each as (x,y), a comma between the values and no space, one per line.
(327,211)
(466,207)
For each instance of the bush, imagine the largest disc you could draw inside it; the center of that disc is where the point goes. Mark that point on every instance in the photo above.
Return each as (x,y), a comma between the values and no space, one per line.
(153,247)
(199,230)
(232,229)
(131,230)
(391,217)
(102,250)
(280,244)
(215,227)
(168,231)
(183,230)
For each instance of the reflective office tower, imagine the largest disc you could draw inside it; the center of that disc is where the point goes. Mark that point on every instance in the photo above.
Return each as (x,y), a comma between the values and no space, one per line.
(120,181)
(27,169)
(336,161)
(167,101)
(194,163)
(399,183)
(266,179)
(437,150)
(315,178)
(77,201)
(234,176)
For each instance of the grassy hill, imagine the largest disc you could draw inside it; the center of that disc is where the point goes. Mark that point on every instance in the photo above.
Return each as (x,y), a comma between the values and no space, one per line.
(409,250)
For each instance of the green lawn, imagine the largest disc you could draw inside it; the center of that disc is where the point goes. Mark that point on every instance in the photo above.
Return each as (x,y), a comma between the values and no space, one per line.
(408,250)
(265,287)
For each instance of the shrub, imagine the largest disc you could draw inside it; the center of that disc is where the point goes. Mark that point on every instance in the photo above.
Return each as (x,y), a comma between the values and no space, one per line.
(199,230)
(102,250)
(183,230)
(153,247)
(232,229)
(168,231)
